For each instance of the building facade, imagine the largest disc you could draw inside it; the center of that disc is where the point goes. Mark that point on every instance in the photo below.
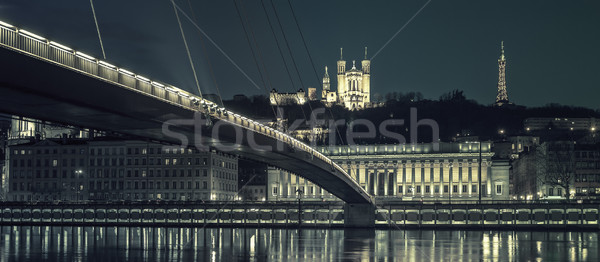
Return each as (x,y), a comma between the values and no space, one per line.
(561,123)
(587,171)
(353,86)
(101,169)
(407,172)
(557,170)
(253,193)
(284,99)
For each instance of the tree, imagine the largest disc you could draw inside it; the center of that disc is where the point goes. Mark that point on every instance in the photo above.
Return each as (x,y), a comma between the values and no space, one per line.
(556,165)
(453,96)
(377,97)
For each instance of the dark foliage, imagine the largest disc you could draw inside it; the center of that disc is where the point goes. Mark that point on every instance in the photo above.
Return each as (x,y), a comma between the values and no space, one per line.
(453,112)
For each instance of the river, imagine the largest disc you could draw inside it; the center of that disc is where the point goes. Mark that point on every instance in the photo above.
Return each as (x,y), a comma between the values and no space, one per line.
(70,243)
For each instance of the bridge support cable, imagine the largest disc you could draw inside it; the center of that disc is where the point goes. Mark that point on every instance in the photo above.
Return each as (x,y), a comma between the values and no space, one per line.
(215,45)
(262,77)
(313,66)
(287,70)
(187,49)
(311,60)
(98,29)
(290,53)
(296,67)
(203,45)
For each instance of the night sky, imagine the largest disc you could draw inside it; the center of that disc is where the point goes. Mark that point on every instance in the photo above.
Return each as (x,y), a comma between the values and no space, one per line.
(552,47)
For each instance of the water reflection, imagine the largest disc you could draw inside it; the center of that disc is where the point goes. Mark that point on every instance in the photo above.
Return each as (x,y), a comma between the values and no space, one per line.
(34,243)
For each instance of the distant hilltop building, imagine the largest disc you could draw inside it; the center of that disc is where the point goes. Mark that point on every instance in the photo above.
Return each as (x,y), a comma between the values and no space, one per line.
(283,99)
(353,88)
(572,124)
(502,96)
(354,85)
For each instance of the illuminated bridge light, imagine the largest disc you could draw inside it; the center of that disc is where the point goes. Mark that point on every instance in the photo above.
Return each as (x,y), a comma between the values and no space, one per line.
(158,84)
(7,25)
(146,80)
(32,35)
(65,48)
(126,72)
(85,56)
(107,64)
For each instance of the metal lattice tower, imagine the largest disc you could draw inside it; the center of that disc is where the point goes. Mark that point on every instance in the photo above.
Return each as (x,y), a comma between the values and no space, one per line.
(502,97)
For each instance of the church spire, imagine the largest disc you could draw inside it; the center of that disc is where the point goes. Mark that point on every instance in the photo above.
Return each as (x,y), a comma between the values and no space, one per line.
(341,53)
(365,53)
(326,82)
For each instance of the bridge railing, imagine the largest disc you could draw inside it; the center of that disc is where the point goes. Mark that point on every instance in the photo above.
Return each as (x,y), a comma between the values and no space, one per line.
(37,46)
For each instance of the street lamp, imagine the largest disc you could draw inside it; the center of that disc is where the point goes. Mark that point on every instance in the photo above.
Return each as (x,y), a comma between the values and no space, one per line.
(450,183)
(79,187)
(300,192)
(479,171)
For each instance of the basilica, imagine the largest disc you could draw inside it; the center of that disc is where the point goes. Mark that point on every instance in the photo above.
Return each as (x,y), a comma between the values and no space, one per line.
(353,88)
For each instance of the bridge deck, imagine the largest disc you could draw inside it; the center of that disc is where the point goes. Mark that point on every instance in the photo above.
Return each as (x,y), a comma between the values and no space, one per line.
(48,81)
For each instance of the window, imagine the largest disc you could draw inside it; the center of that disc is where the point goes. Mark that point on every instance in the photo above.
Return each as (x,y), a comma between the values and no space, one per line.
(399,189)
(454,189)
(474,189)
(446,188)
(418,189)
(274,190)
(427,189)
(498,189)
(464,189)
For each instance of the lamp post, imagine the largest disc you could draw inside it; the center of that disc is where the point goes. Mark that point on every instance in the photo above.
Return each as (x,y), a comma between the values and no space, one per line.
(450,183)
(78,176)
(299,191)
(479,173)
